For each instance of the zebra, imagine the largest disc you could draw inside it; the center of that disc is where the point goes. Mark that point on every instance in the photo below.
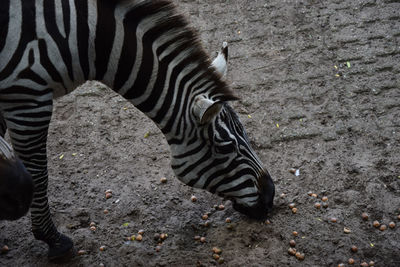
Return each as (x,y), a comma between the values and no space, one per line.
(146,52)
(16,185)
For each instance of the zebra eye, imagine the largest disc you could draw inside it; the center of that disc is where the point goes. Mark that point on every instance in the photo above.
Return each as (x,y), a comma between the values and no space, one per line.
(225,148)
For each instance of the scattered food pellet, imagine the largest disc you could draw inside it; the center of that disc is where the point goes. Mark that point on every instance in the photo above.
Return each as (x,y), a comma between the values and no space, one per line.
(158,248)
(105,211)
(267,222)
(163,236)
(163,180)
(346,230)
(324,199)
(102,248)
(371,263)
(92,224)
(351,261)
(365,216)
(333,219)
(202,239)
(364,264)
(217,250)
(325,205)
(314,195)
(340,265)
(292,243)
(294,210)
(299,256)
(354,249)
(81,252)
(5,249)
(392,225)
(207,223)
(215,256)
(295,233)
(221,260)
(156,236)
(376,224)
(310,193)
(292,170)
(139,238)
(204,217)
(383,227)
(108,191)
(317,205)
(108,195)
(292,251)
(282,195)
(141,232)
(228,220)
(197,237)
(292,205)
(193,198)
(221,207)
(93,228)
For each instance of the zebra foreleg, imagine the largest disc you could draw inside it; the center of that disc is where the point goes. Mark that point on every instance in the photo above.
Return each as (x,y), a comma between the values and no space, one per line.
(29,136)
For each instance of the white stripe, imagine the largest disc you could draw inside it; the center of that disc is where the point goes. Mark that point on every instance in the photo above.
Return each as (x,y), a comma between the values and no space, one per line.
(60,17)
(92,21)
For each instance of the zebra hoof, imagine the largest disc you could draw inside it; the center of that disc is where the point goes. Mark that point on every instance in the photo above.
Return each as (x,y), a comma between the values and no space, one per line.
(60,248)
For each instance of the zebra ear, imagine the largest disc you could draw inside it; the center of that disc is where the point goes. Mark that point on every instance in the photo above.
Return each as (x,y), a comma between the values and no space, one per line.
(220,63)
(206,109)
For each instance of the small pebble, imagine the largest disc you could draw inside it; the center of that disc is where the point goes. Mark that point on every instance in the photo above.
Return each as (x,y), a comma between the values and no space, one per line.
(163,236)
(108,195)
(294,210)
(139,238)
(81,252)
(364,264)
(333,219)
(102,248)
(376,224)
(317,205)
(354,249)
(392,225)
(292,251)
(314,195)
(92,224)
(193,198)
(108,191)
(105,211)
(93,228)
(163,180)
(383,227)
(5,249)
(365,216)
(292,205)
(292,243)
(204,217)
(202,239)
(351,261)
(324,199)
(295,233)
(221,207)
(371,263)
(228,220)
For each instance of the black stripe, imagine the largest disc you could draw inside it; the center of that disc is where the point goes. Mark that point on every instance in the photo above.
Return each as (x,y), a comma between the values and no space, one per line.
(199,174)
(28,33)
(4,21)
(105,34)
(24,90)
(52,29)
(82,28)
(245,184)
(48,65)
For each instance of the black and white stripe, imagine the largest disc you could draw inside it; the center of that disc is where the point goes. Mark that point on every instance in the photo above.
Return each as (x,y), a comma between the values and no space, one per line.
(145,51)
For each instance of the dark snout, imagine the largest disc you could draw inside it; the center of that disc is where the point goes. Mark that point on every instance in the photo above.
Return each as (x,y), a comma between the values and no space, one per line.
(265,202)
(16,189)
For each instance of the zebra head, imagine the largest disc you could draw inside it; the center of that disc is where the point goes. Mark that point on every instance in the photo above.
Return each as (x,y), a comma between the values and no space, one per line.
(217,155)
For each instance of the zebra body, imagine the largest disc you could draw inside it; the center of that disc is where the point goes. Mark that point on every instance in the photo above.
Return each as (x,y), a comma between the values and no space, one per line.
(145,51)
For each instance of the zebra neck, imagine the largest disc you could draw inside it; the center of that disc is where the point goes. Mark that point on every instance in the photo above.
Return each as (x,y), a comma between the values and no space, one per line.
(154,60)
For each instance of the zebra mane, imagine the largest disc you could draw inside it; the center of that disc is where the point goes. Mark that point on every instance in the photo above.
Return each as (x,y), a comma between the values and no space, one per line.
(188,37)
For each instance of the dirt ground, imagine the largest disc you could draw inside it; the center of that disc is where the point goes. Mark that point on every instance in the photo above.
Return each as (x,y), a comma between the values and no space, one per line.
(319,85)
